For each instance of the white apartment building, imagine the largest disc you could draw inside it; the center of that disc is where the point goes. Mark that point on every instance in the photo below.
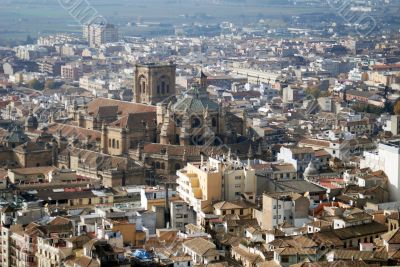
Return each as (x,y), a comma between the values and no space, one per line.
(98,34)
(387,159)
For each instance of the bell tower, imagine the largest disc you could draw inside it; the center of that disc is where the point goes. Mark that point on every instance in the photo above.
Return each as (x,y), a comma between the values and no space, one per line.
(154,82)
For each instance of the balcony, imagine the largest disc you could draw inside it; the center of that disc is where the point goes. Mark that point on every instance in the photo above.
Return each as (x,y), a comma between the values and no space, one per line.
(194,182)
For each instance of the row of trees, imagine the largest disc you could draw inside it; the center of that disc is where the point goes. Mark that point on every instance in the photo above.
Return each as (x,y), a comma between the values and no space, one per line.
(40,85)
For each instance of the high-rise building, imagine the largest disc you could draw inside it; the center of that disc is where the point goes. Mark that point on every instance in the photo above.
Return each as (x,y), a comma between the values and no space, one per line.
(98,34)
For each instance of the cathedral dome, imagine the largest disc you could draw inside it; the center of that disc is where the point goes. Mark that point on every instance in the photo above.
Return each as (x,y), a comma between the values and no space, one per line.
(31,121)
(195,102)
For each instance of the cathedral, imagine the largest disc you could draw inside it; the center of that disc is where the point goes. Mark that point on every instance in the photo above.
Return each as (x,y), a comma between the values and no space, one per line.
(193,119)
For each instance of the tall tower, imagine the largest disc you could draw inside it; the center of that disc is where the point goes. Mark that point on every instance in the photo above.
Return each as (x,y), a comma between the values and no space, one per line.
(154,82)
(201,80)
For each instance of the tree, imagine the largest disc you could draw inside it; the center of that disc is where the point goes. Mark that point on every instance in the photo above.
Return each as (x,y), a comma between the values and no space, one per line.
(49,84)
(36,84)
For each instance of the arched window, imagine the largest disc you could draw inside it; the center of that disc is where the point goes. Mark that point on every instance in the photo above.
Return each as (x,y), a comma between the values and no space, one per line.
(117,143)
(196,122)
(163,166)
(167,88)
(177,166)
(157,165)
(158,89)
(113,143)
(178,122)
(162,87)
(143,87)
(214,122)
(109,142)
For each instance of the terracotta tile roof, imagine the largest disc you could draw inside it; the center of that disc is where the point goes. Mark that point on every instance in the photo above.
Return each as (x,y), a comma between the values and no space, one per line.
(301,150)
(136,121)
(34,170)
(322,153)
(201,246)
(30,147)
(229,205)
(392,237)
(290,251)
(70,131)
(175,150)
(83,261)
(59,221)
(360,230)
(124,108)
(346,254)
(250,257)
(385,67)
(315,142)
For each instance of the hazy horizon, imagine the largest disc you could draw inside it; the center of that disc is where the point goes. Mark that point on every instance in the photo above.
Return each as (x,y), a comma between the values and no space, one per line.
(19,18)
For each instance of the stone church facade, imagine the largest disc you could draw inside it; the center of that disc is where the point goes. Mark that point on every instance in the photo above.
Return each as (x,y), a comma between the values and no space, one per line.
(194,119)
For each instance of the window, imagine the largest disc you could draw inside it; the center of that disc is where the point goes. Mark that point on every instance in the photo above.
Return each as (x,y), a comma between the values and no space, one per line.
(178,122)
(143,87)
(177,166)
(196,123)
(285,259)
(274,207)
(214,122)
(238,177)
(238,185)
(162,88)
(117,143)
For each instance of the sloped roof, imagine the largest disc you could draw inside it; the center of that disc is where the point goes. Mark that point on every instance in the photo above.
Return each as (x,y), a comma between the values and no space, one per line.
(124,107)
(392,237)
(196,105)
(200,246)
(135,120)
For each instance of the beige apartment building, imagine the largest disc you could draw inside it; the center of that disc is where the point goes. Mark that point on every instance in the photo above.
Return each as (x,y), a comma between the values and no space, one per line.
(203,184)
(282,207)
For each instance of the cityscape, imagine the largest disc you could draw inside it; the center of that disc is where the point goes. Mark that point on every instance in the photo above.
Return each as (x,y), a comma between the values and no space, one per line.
(214,133)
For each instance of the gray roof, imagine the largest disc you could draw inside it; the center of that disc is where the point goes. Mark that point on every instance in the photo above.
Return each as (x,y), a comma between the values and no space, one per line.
(298,186)
(193,104)
(17,136)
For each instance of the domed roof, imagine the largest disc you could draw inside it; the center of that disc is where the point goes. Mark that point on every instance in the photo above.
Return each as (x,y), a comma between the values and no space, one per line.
(196,102)
(311,170)
(31,121)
